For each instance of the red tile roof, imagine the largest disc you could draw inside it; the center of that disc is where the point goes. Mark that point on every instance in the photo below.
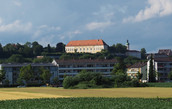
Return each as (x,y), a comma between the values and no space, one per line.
(86,42)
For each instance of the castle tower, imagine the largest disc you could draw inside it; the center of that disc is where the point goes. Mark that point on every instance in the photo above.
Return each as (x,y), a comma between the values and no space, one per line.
(128,45)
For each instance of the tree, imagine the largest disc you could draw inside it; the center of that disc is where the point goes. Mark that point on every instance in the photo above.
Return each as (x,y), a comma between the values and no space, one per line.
(16,58)
(119,68)
(151,71)
(45,75)
(60,47)
(1,51)
(170,75)
(120,48)
(139,75)
(56,81)
(2,75)
(143,53)
(26,73)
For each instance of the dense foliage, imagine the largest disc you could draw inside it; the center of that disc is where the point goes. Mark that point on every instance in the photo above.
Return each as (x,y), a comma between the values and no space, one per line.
(85,80)
(88,103)
(18,53)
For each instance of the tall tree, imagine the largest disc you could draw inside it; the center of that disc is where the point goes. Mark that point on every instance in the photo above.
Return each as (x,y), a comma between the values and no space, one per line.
(151,71)
(16,58)
(45,75)
(119,68)
(26,73)
(2,75)
(60,47)
(1,51)
(120,48)
(143,53)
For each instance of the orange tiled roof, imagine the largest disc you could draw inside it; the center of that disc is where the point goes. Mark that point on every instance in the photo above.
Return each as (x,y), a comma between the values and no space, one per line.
(86,42)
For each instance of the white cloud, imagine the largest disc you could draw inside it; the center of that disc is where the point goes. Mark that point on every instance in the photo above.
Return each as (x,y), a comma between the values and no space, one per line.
(70,34)
(17,3)
(15,26)
(47,40)
(98,25)
(44,29)
(157,8)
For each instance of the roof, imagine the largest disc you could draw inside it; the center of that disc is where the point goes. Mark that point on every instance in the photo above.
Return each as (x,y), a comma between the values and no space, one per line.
(138,65)
(25,64)
(163,59)
(86,42)
(165,51)
(81,61)
(132,51)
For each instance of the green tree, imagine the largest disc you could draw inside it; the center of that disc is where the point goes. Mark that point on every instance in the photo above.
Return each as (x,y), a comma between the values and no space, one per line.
(60,47)
(26,73)
(143,53)
(170,75)
(56,81)
(120,48)
(2,75)
(68,82)
(45,75)
(1,51)
(139,75)
(119,68)
(16,58)
(151,71)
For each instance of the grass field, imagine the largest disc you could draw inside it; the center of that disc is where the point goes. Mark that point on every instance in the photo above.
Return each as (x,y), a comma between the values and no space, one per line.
(48,92)
(88,103)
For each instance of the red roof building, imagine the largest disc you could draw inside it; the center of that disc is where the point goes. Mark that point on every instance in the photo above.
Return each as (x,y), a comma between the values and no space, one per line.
(86,46)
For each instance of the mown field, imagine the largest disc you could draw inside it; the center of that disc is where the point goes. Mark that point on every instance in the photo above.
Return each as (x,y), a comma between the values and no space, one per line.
(88,103)
(48,92)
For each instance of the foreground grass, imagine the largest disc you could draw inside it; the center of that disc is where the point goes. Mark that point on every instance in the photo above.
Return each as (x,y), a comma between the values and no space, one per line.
(88,103)
(48,92)
(163,84)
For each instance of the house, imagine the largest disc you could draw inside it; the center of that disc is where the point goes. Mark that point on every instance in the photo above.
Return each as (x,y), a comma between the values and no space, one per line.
(12,70)
(162,67)
(167,52)
(86,46)
(140,67)
(73,67)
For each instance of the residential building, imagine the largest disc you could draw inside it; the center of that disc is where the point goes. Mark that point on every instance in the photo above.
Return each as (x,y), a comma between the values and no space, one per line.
(162,67)
(73,67)
(167,52)
(140,67)
(13,70)
(134,53)
(86,46)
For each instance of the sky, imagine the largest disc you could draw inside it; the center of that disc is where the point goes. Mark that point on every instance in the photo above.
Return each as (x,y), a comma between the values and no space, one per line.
(145,23)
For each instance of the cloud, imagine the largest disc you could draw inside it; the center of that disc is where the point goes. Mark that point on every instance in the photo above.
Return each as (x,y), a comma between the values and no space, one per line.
(17,3)
(70,34)
(98,25)
(47,40)
(44,29)
(15,26)
(156,8)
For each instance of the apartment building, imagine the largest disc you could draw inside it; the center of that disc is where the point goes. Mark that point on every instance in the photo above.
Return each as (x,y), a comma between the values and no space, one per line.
(73,67)
(140,67)
(13,70)
(86,46)
(162,66)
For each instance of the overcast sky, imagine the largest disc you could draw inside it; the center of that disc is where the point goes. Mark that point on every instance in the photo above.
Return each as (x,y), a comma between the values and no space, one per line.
(145,23)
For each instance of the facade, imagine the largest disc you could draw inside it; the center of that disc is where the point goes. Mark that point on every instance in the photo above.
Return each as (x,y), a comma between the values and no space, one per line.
(73,67)
(167,52)
(140,67)
(134,53)
(86,46)
(13,70)
(162,66)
